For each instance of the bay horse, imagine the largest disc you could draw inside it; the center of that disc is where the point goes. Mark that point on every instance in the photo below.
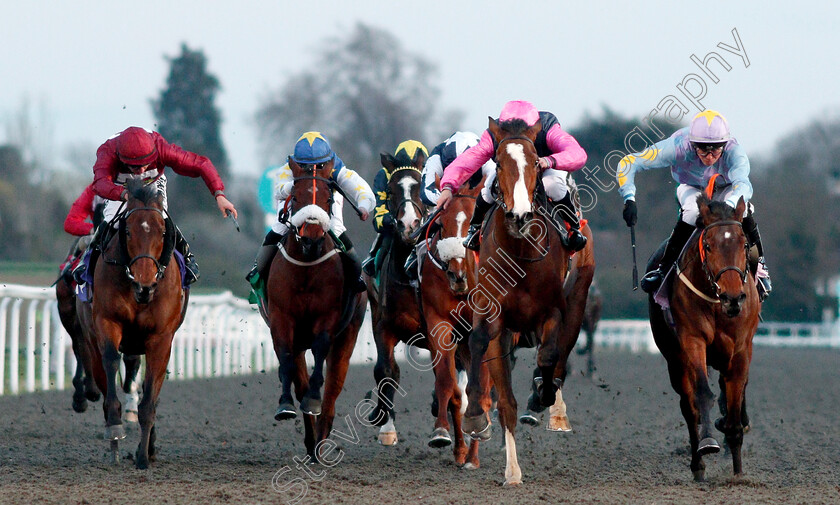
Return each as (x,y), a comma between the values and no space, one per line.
(715,308)
(138,304)
(523,288)
(447,273)
(395,313)
(311,304)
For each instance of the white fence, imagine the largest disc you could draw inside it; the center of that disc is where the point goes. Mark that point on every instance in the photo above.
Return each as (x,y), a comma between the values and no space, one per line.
(222,335)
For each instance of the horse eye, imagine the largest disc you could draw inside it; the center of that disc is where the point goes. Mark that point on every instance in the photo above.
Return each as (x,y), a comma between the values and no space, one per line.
(707,247)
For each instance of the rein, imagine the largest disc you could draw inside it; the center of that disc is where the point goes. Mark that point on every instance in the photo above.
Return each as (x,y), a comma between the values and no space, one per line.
(712,278)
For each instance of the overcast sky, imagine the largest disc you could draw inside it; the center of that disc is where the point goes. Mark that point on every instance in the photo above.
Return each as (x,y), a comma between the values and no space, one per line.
(93,66)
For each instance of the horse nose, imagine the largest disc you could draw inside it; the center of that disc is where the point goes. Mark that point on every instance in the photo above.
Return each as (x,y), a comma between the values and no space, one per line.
(529,216)
(732,304)
(508,215)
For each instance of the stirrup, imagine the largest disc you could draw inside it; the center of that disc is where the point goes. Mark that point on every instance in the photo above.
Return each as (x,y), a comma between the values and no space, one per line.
(252,273)
(411,266)
(652,280)
(192,274)
(473,242)
(575,240)
(369,266)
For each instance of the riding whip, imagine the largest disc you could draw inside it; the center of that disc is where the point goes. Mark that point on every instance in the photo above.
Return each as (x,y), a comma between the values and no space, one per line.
(635,268)
(230,215)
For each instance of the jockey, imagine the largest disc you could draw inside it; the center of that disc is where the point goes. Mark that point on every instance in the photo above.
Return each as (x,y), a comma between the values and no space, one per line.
(136,153)
(441,157)
(559,153)
(85,214)
(383,222)
(313,148)
(695,154)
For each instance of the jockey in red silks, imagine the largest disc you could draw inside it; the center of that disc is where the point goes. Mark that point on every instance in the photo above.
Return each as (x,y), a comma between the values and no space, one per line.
(697,154)
(85,214)
(136,153)
(559,154)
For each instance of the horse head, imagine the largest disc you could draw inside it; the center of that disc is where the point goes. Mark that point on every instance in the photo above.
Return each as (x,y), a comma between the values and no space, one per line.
(311,202)
(516,170)
(403,191)
(147,238)
(723,251)
(453,223)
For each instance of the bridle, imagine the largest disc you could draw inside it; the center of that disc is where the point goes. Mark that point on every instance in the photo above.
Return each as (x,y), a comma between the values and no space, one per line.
(168,244)
(712,277)
(499,197)
(400,204)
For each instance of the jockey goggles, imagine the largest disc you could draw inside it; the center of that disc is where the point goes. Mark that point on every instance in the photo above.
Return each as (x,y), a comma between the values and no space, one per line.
(706,149)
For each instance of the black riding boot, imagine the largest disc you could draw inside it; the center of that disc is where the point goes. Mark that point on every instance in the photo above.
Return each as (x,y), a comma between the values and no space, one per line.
(653,279)
(264,256)
(472,241)
(576,240)
(192,274)
(369,265)
(94,247)
(751,231)
(351,253)
(411,265)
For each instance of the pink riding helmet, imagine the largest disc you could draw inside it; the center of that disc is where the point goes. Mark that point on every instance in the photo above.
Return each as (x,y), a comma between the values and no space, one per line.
(520,109)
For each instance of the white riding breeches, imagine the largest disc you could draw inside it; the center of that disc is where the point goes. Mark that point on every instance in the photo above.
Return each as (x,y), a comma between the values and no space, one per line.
(687,196)
(112,206)
(554,182)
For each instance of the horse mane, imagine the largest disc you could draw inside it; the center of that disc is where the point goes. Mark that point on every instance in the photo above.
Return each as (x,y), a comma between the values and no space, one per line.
(514,126)
(141,190)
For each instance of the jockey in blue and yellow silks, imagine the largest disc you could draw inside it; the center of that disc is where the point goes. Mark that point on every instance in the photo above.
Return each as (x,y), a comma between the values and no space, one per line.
(695,154)
(313,148)
(383,222)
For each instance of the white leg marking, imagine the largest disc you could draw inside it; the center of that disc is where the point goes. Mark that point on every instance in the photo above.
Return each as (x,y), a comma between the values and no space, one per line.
(513,474)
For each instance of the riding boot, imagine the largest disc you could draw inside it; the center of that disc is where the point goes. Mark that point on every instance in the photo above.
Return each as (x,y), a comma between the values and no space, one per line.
(411,265)
(94,247)
(575,240)
(765,287)
(360,285)
(653,279)
(473,240)
(192,274)
(369,265)
(264,256)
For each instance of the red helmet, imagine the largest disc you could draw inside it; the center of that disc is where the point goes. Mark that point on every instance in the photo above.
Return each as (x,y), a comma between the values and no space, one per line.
(136,146)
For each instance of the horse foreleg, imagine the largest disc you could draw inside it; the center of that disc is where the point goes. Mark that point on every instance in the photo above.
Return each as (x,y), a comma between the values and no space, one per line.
(301,383)
(112,407)
(338,362)
(311,403)
(734,423)
(500,372)
(387,376)
(157,358)
(79,400)
(282,335)
(476,424)
(447,396)
(129,387)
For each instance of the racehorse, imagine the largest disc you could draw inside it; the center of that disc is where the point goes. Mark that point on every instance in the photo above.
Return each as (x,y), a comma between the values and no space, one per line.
(715,308)
(138,304)
(310,305)
(395,313)
(591,317)
(522,268)
(447,274)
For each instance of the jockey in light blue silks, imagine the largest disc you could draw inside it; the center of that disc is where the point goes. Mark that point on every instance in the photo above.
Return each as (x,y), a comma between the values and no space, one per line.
(312,148)
(695,154)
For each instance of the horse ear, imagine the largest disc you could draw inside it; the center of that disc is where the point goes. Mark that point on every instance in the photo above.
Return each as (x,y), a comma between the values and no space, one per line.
(437,180)
(495,131)
(387,161)
(703,205)
(293,165)
(740,208)
(420,160)
(534,130)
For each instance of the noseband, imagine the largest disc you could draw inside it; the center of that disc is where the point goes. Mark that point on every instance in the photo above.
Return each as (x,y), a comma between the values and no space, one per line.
(713,279)
(436,261)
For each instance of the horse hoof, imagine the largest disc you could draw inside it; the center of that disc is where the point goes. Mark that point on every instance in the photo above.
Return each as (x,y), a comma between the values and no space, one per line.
(512,482)
(80,405)
(471,466)
(559,423)
(477,428)
(130,416)
(708,446)
(311,406)
(440,438)
(92,396)
(285,412)
(529,418)
(114,432)
(699,475)
(388,438)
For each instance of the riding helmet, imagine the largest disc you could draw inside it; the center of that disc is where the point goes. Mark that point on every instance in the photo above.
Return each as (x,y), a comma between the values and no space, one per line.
(709,127)
(312,148)
(408,152)
(136,146)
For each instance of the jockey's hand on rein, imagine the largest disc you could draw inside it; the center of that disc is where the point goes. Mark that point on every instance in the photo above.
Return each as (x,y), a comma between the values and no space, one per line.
(444,198)
(630,212)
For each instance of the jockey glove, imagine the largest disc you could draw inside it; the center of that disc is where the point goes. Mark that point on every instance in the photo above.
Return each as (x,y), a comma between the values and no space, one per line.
(630,212)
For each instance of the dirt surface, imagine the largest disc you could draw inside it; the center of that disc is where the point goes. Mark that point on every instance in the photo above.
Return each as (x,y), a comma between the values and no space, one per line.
(218,443)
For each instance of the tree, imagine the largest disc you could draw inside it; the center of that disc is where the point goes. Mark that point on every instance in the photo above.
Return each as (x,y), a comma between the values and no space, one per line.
(187,115)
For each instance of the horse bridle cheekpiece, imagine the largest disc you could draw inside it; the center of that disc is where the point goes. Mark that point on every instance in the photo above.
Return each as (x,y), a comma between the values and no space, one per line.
(404,200)
(168,244)
(703,246)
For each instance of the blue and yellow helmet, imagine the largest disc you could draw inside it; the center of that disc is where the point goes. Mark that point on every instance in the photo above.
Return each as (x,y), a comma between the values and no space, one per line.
(408,152)
(311,148)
